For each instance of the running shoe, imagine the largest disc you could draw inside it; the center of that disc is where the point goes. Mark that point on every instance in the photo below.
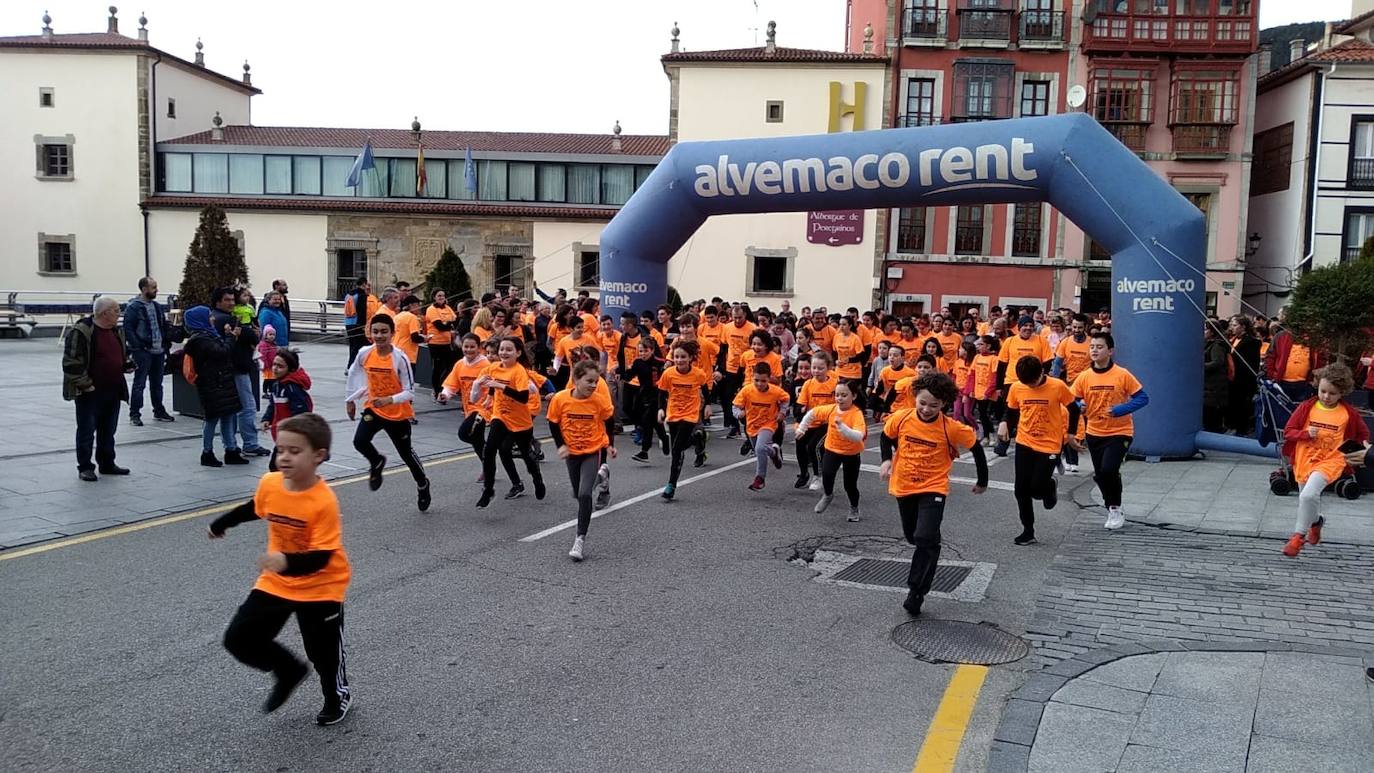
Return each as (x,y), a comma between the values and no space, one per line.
(1295,544)
(422,497)
(516,491)
(912,605)
(1071,469)
(374,473)
(1026,537)
(334,711)
(485,499)
(1115,518)
(603,487)
(700,461)
(577,548)
(815,483)
(853,515)
(824,503)
(286,684)
(668,492)
(732,434)
(642,457)
(1314,532)
(745,448)
(775,452)
(802,481)
(539,489)
(757,485)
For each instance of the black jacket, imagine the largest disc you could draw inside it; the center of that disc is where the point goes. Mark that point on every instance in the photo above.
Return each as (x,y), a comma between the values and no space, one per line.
(213,360)
(1214,356)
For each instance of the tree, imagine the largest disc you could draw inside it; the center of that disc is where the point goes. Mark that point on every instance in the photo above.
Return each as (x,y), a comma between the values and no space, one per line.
(1367,249)
(450,276)
(213,260)
(1333,309)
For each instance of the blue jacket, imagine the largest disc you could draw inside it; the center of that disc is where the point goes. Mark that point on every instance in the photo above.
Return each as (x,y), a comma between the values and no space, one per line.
(137,332)
(270,316)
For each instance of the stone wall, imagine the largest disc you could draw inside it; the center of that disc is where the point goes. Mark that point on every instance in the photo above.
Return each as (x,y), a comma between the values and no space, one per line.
(406,248)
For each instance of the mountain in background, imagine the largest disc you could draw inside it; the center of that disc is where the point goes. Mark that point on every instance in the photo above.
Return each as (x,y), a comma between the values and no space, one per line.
(1277,39)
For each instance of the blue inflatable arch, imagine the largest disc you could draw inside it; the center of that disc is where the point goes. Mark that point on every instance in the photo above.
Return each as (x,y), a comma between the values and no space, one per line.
(1156,237)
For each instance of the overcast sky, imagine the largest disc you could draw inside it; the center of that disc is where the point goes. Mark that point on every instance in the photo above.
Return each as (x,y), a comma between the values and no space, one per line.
(500,65)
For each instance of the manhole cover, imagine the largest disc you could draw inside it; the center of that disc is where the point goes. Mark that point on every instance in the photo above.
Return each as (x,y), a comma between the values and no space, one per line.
(954,641)
(893,574)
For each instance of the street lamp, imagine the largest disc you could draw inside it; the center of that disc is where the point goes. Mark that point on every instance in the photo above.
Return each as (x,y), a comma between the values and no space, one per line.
(1252,244)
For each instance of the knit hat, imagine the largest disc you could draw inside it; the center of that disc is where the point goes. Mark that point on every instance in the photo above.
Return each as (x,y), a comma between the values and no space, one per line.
(268,329)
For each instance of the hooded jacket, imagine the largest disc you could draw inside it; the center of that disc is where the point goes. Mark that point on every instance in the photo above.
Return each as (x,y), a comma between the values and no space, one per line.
(212,356)
(77,354)
(290,397)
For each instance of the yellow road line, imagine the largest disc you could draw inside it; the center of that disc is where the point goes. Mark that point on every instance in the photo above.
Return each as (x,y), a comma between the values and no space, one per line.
(213,510)
(946,732)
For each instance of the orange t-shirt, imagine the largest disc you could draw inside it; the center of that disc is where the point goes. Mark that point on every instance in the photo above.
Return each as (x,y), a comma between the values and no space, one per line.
(814,394)
(515,414)
(1044,423)
(460,380)
(602,388)
(1099,392)
(406,323)
(300,522)
(828,416)
(1016,347)
(684,393)
(824,338)
(1075,356)
(911,351)
(567,343)
(760,408)
(889,376)
(1322,453)
(749,359)
(556,333)
(905,400)
(582,420)
(707,353)
(381,309)
(984,375)
(434,314)
(845,347)
(737,339)
(713,333)
(382,381)
(951,344)
(960,374)
(610,344)
(925,452)
(1299,364)
(482,333)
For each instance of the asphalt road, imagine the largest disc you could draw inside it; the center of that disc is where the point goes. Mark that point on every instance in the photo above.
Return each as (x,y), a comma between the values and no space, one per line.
(685,641)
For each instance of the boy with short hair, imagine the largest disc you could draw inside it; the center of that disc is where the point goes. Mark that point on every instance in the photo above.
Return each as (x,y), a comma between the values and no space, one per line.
(304,571)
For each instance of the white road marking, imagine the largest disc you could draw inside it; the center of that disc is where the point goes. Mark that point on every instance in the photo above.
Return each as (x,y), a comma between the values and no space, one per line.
(997,484)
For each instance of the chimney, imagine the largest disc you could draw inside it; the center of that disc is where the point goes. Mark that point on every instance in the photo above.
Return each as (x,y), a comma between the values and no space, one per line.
(1297,49)
(142,27)
(217,128)
(200,53)
(676,32)
(771,47)
(113,27)
(868,38)
(1264,64)
(47,25)
(247,76)
(615,137)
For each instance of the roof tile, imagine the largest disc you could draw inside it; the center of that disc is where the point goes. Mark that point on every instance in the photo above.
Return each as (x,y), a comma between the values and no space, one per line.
(779,54)
(352,139)
(112,41)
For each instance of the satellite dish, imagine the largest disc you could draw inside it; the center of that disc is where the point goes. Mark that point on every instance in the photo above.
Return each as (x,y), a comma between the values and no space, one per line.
(1077,96)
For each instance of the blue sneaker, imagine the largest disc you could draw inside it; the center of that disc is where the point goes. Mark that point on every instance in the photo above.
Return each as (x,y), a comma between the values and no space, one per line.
(668,492)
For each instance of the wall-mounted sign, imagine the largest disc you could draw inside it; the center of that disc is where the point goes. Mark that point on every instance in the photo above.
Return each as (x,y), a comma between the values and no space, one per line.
(835,227)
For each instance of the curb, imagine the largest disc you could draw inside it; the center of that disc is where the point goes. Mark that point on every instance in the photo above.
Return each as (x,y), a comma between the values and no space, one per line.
(1020,720)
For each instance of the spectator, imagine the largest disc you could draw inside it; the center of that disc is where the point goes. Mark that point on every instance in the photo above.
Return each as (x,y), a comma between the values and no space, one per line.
(1289,362)
(210,349)
(94,361)
(148,338)
(279,286)
(243,308)
(1243,371)
(244,347)
(1215,355)
(359,307)
(273,313)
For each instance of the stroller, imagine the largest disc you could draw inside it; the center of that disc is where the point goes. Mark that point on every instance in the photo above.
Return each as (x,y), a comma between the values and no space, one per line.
(1273,409)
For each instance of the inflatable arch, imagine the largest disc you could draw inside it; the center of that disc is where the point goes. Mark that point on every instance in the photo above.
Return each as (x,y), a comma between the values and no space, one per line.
(1156,237)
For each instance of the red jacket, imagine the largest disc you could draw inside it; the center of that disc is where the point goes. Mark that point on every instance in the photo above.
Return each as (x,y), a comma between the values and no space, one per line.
(1296,428)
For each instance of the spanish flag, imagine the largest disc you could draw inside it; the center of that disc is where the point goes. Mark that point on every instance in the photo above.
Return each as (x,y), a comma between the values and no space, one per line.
(421,180)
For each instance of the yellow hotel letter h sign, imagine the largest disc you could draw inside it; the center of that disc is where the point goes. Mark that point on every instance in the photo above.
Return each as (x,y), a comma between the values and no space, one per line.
(839,108)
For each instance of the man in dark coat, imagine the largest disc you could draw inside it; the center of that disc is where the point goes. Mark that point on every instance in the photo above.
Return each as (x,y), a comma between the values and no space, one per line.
(94,361)
(149,338)
(1215,353)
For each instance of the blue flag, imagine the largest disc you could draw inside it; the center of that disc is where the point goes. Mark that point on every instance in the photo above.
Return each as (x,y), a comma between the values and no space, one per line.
(470,172)
(360,164)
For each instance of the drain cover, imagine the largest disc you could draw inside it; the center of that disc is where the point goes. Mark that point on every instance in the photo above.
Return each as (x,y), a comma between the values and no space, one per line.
(892,574)
(955,641)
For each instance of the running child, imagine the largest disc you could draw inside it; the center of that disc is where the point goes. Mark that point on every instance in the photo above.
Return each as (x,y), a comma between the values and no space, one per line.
(512,390)
(1035,406)
(683,389)
(817,391)
(459,382)
(845,431)
(288,395)
(963,381)
(645,370)
(381,378)
(919,446)
(1321,440)
(1110,395)
(887,379)
(763,407)
(985,397)
(305,571)
(582,420)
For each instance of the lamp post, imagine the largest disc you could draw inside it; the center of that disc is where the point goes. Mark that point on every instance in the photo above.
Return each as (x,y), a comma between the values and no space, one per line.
(1252,244)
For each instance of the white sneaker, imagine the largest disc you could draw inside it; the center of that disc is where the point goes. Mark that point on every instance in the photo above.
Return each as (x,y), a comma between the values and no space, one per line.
(1071,469)
(1115,518)
(853,515)
(576,552)
(815,484)
(824,503)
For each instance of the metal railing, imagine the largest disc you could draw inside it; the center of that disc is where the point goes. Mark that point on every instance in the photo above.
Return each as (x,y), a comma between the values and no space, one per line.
(925,24)
(1041,26)
(1202,139)
(1361,173)
(1132,135)
(917,119)
(24,307)
(985,23)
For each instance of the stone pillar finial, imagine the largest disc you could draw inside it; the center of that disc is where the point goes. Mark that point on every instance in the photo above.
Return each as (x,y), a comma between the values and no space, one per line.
(113,27)
(47,25)
(772,45)
(868,38)
(217,128)
(615,137)
(200,53)
(247,75)
(676,32)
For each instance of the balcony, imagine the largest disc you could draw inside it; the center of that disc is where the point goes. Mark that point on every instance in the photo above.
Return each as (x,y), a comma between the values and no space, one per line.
(907,120)
(925,27)
(1132,135)
(974,108)
(984,25)
(911,234)
(1145,30)
(1041,29)
(1361,174)
(1202,140)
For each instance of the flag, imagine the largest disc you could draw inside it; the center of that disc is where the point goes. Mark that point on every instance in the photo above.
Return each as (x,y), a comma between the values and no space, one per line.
(470,172)
(421,179)
(360,164)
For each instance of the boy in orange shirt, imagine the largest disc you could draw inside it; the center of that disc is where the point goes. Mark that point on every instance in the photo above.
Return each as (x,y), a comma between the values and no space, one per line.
(381,378)
(763,408)
(582,422)
(304,571)
(1035,405)
(919,446)
(1111,394)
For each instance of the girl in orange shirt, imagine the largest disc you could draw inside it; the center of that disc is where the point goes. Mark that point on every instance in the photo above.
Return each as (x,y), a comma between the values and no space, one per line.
(511,389)
(459,382)
(963,381)
(761,351)
(985,383)
(582,422)
(683,391)
(815,392)
(845,431)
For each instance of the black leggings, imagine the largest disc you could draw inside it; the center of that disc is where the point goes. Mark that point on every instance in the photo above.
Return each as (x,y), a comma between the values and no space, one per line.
(473,431)
(649,426)
(921,517)
(681,436)
(1034,475)
(808,450)
(986,409)
(1108,453)
(441,360)
(728,387)
(499,443)
(582,471)
(830,464)
(252,638)
(399,432)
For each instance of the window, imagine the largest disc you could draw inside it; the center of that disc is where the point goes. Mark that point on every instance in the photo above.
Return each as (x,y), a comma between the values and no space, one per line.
(402,183)
(1359,227)
(1204,108)
(920,102)
(211,172)
(171,108)
(1273,159)
(985,19)
(584,184)
(508,271)
(491,180)
(55,255)
(176,172)
(351,266)
(457,172)
(521,185)
(45,96)
(1035,98)
(245,173)
(982,90)
(770,275)
(911,229)
(55,160)
(589,267)
(1361,174)
(1025,230)
(553,182)
(617,183)
(641,174)
(1123,101)
(277,174)
(334,171)
(373,183)
(772,111)
(924,19)
(305,175)
(436,184)
(1040,22)
(968,231)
